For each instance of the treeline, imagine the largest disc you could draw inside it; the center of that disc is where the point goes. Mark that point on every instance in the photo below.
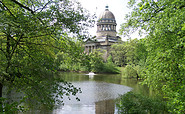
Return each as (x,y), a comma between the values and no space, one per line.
(77,60)
(131,55)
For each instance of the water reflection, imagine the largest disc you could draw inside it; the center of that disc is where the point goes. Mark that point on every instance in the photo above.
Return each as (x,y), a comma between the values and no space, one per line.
(93,91)
(105,107)
(98,94)
(101,107)
(96,97)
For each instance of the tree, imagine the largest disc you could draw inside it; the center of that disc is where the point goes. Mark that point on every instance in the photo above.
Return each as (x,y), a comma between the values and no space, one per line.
(131,51)
(73,58)
(31,33)
(134,103)
(96,61)
(128,52)
(163,20)
(118,53)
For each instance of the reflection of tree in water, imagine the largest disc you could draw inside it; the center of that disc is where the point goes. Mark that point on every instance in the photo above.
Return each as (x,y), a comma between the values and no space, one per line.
(105,107)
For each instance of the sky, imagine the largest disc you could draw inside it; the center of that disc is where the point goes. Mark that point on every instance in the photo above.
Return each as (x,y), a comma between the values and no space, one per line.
(117,7)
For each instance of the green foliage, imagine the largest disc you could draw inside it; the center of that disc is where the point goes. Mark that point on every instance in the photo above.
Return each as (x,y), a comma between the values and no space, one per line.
(118,52)
(130,72)
(163,68)
(131,46)
(11,108)
(74,59)
(132,54)
(110,67)
(31,33)
(96,61)
(83,62)
(132,103)
(129,52)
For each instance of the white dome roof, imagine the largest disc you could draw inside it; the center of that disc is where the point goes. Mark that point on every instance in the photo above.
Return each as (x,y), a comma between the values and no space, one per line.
(107,15)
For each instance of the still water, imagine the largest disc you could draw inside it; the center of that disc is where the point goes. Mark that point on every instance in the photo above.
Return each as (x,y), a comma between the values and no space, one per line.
(99,93)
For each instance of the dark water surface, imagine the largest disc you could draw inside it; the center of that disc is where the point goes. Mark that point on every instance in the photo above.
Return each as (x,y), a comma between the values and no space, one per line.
(98,96)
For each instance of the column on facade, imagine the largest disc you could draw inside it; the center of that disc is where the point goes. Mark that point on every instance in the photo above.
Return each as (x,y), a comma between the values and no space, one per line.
(91,49)
(88,49)
(111,26)
(114,27)
(99,28)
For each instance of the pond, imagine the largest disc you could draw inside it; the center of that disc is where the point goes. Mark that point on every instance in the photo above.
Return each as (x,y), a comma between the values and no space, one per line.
(98,96)
(99,93)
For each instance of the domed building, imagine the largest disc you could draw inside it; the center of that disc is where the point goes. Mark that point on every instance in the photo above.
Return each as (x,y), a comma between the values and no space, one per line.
(105,35)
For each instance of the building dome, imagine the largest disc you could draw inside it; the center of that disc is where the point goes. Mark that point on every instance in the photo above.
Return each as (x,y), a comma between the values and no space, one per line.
(105,34)
(106,24)
(107,15)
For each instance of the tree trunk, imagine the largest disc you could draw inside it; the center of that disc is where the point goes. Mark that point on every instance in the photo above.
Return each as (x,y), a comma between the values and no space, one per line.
(1,94)
(1,90)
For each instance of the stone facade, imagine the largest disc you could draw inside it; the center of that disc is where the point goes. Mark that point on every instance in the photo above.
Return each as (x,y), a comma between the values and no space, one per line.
(105,35)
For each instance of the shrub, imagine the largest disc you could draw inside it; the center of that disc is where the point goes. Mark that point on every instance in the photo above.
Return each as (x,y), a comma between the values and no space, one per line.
(130,72)
(132,103)
(110,68)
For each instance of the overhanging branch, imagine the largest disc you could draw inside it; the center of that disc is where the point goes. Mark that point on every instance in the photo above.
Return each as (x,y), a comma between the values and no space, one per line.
(7,9)
(21,5)
(27,8)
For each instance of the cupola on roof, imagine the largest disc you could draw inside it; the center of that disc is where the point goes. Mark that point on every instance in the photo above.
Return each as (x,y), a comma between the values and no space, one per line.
(106,24)
(106,34)
(107,14)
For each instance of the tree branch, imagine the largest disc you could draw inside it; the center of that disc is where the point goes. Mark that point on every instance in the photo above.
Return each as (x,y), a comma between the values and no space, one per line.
(181,6)
(27,8)
(41,44)
(43,7)
(159,10)
(17,43)
(21,5)
(2,51)
(37,36)
(7,9)
(156,11)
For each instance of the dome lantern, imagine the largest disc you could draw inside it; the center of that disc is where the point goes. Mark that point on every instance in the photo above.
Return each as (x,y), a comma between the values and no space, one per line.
(107,7)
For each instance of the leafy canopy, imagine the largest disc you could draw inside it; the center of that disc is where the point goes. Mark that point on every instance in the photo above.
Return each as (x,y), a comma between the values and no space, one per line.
(164,69)
(31,33)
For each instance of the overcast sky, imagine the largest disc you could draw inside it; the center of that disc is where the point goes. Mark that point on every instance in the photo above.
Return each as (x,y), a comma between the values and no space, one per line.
(117,7)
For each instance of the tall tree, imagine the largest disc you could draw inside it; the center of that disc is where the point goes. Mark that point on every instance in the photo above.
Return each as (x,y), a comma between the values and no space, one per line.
(128,52)
(31,33)
(163,20)
(118,53)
